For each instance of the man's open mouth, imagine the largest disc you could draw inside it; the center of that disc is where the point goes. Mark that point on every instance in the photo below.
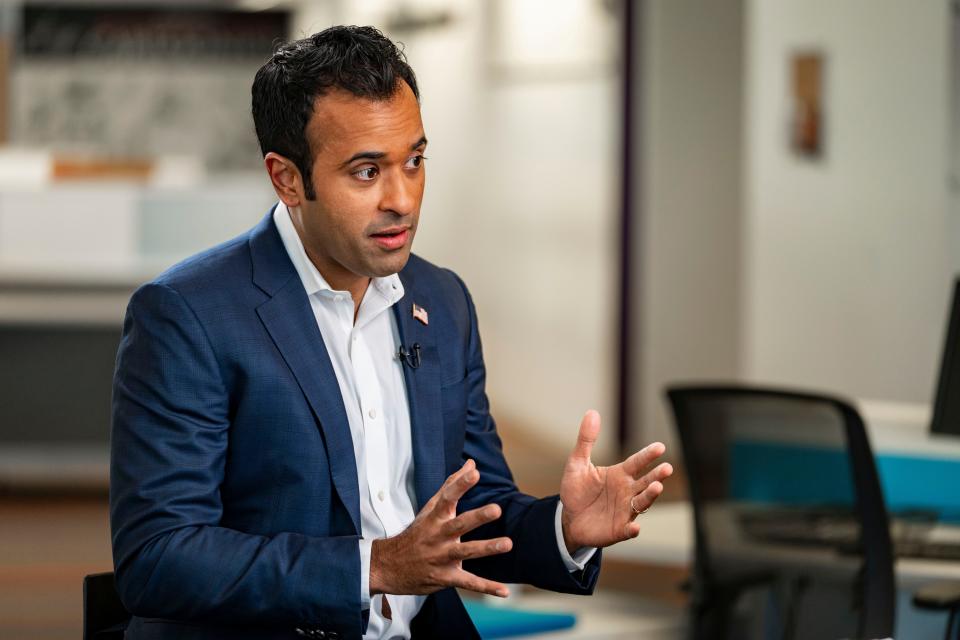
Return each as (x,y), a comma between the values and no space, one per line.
(392,238)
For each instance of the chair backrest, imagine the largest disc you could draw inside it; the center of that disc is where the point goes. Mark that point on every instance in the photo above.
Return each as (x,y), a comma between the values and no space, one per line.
(104,616)
(787,481)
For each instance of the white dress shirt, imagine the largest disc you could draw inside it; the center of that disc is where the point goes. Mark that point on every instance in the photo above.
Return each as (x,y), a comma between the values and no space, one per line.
(370,376)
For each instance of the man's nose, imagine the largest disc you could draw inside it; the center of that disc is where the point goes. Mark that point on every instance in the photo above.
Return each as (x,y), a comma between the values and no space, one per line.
(400,194)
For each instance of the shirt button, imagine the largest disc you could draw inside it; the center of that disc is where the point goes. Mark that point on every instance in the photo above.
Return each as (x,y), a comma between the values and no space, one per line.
(338,298)
(380,495)
(372,413)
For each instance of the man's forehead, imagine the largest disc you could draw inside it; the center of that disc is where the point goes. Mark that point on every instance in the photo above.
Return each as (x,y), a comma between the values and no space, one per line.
(345,123)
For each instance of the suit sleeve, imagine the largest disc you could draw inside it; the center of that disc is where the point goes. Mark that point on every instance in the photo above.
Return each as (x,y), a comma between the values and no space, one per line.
(530,522)
(170,428)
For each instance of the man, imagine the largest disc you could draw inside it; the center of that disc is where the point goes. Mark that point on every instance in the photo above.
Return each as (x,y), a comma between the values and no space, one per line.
(301,438)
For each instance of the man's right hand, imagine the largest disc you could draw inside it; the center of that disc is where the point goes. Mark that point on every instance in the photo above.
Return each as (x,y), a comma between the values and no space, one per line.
(428,555)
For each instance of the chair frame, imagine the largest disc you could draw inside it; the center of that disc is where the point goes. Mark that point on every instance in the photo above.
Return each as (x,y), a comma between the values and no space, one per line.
(876,585)
(104,616)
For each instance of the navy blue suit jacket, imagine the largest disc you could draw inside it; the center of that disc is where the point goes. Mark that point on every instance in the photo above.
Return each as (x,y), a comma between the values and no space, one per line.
(234,500)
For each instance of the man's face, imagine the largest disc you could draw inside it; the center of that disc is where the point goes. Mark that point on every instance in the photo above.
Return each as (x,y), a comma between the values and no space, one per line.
(368,175)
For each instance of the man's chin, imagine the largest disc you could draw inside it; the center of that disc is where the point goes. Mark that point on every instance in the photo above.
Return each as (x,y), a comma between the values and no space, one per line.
(388,267)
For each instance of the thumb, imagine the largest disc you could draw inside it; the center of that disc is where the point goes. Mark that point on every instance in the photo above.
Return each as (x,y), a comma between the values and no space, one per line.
(589,431)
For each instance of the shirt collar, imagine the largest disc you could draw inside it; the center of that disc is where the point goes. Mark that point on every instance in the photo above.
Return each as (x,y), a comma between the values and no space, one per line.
(389,287)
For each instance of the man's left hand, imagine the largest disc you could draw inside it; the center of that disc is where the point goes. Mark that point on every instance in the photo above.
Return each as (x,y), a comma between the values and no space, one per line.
(600,504)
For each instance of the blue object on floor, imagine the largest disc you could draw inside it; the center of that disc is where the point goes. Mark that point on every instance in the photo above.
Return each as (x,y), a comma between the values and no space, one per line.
(507,622)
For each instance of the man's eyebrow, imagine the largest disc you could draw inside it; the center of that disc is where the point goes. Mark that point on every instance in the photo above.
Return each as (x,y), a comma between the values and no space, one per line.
(365,155)
(376,155)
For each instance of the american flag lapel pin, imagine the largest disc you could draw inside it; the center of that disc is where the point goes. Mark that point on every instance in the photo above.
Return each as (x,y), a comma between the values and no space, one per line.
(420,314)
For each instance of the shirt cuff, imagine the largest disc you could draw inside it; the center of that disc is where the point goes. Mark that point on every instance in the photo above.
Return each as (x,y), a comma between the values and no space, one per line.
(366,546)
(580,557)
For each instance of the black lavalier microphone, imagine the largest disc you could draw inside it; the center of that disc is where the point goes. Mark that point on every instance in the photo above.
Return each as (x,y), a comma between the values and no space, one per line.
(412,360)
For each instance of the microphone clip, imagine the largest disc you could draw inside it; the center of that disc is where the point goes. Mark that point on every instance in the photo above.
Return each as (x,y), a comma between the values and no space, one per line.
(411,359)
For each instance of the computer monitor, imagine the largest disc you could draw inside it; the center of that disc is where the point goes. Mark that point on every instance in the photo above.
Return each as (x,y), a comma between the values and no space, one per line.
(946,405)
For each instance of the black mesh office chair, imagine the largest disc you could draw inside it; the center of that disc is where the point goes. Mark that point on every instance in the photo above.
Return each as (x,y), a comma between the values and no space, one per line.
(787,504)
(104,616)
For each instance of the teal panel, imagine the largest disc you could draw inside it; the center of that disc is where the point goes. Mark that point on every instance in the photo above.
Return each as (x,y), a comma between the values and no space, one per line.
(508,622)
(920,483)
(779,473)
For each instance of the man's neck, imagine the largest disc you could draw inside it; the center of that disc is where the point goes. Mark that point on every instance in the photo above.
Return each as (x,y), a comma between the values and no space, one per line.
(336,276)
(356,285)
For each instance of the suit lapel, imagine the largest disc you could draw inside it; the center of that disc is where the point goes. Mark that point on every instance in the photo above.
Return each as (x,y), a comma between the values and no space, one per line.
(423,392)
(289,320)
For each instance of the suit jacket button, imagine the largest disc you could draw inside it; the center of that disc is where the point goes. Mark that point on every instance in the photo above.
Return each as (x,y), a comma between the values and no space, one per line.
(311,632)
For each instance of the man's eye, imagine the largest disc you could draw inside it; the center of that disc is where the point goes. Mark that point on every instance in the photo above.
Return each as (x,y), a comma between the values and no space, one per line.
(415,162)
(367,174)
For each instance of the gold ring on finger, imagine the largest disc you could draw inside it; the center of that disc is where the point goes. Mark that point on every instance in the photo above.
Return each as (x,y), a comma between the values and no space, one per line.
(633,507)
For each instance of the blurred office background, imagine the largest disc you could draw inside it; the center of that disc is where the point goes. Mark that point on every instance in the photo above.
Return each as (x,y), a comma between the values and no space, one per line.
(787,173)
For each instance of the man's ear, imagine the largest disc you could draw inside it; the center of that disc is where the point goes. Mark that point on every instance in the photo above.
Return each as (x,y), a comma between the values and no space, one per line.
(286,179)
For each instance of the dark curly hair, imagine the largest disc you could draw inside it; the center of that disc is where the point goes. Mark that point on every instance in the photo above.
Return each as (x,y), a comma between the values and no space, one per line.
(360,60)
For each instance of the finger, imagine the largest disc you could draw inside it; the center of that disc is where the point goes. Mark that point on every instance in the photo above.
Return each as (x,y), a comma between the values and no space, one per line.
(479,549)
(465,468)
(631,530)
(645,499)
(457,485)
(635,464)
(451,479)
(660,473)
(470,520)
(589,431)
(466,580)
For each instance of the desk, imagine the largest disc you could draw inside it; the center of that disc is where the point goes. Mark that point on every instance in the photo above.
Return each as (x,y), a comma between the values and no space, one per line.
(666,539)
(918,469)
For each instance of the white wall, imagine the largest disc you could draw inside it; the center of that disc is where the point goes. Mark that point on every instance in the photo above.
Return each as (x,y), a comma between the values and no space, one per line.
(756,264)
(848,259)
(521,196)
(689,242)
